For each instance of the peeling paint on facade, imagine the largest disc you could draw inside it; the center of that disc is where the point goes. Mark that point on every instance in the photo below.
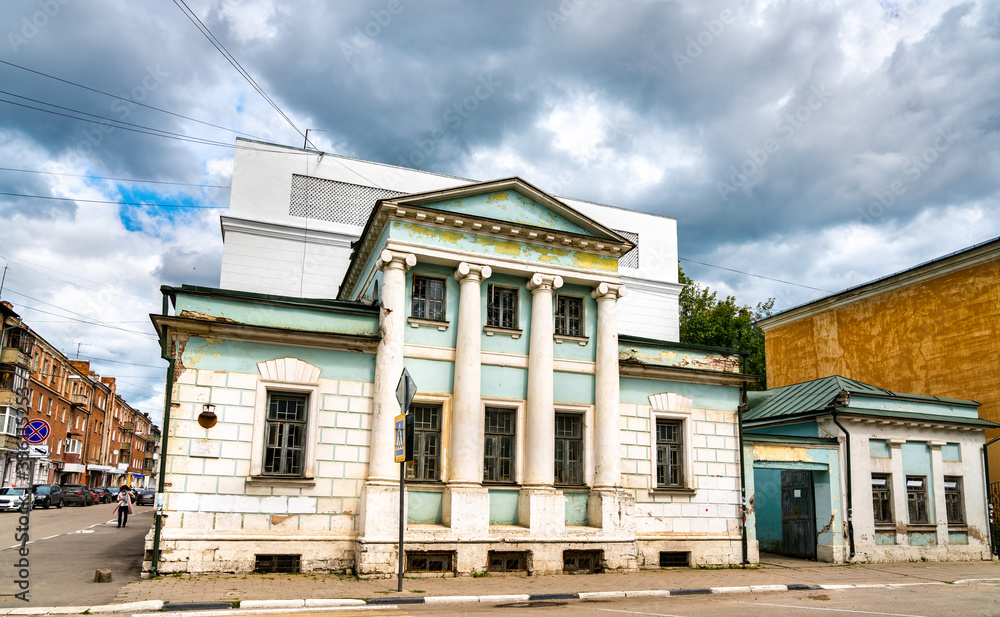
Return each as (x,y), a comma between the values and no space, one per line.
(657,356)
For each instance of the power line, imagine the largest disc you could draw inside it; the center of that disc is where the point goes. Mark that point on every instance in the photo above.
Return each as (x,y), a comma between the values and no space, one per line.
(55,173)
(101,286)
(86,319)
(232,60)
(701,263)
(119,203)
(130,101)
(121,362)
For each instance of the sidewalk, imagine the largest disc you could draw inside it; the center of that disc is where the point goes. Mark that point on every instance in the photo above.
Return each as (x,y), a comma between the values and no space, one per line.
(180,589)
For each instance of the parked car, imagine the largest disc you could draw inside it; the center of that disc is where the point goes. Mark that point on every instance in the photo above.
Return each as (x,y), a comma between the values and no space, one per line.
(48,495)
(103,494)
(145,497)
(96,493)
(11,498)
(112,492)
(78,494)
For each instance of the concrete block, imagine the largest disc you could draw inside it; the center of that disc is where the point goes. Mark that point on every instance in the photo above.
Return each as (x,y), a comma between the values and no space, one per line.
(274,505)
(451,599)
(211,378)
(333,402)
(194,394)
(128,607)
(360,405)
(242,381)
(330,602)
(503,599)
(102,576)
(183,502)
(301,505)
(272,604)
(351,388)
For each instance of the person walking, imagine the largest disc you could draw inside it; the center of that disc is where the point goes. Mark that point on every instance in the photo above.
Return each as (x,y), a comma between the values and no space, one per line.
(124,506)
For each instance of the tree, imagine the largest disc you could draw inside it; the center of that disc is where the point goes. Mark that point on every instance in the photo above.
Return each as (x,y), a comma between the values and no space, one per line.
(706,320)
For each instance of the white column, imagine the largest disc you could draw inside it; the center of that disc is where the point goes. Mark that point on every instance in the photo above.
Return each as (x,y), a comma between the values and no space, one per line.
(539,430)
(936,480)
(607,458)
(388,364)
(467,416)
(899,510)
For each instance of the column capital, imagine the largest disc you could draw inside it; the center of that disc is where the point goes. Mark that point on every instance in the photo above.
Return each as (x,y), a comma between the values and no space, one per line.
(896,442)
(544,282)
(610,291)
(467,271)
(393,259)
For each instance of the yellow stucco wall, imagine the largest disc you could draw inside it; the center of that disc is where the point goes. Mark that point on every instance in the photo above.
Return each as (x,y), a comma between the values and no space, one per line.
(940,338)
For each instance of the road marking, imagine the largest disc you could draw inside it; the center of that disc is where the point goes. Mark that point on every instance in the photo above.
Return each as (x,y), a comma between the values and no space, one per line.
(608,610)
(835,610)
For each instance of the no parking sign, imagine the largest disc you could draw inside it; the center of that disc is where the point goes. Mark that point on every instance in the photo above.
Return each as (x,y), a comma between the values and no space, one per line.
(37,431)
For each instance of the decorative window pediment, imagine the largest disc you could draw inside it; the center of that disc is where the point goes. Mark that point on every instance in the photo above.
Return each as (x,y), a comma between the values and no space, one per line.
(290,370)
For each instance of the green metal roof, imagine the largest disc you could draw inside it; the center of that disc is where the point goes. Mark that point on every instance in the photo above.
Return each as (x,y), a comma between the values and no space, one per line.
(826,395)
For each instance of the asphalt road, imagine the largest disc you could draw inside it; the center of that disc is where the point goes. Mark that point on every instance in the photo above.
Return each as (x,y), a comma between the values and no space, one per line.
(66,547)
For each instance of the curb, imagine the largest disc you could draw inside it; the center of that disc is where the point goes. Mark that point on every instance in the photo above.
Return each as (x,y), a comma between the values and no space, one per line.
(154,608)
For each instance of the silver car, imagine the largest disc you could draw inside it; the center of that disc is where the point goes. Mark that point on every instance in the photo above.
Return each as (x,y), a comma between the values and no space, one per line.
(12,498)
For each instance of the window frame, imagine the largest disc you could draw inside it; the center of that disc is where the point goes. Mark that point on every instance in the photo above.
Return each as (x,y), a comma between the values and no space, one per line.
(887,499)
(561,326)
(515,308)
(311,437)
(580,418)
(912,502)
(425,316)
(954,497)
(687,450)
(513,435)
(303,400)
(418,435)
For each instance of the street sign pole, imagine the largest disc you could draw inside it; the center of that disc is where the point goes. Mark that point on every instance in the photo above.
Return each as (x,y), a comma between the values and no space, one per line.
(404,452)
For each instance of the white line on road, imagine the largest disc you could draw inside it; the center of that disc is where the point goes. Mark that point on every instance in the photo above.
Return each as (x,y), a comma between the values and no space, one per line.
(608,610)
(836,610)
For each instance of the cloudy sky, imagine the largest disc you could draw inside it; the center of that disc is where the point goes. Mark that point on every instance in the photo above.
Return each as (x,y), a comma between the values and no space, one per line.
(817,144)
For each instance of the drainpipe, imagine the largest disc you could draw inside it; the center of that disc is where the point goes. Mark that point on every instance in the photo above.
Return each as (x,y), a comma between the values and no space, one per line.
(165,354)
(850,500)
(743,477)
(989,506)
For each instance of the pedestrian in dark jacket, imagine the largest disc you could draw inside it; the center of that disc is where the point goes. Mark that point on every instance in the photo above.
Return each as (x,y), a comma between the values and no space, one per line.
(124,506)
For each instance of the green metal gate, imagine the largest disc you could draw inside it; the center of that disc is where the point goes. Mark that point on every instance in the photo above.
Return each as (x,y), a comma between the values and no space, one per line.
(994,515)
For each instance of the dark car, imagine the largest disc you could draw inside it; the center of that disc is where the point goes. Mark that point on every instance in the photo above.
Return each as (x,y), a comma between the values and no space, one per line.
(48,495)
(103,494)
(145,497)
(77,494)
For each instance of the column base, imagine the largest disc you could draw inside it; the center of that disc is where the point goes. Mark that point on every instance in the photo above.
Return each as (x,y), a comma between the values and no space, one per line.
(542,510)
(612,509)
(378,515)
(466,509)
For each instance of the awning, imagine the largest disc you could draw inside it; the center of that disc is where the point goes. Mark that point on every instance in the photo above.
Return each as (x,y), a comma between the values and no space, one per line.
(73,468)
(116,472)
(93,467)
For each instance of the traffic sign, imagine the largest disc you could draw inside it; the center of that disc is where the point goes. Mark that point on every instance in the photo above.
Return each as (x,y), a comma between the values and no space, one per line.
(403,438)
(405,391)
(36,451)
(37,431)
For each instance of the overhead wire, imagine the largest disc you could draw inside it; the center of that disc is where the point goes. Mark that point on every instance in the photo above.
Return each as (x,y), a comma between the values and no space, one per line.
(119,203)
(101,286)
(132,180)
(88,320)
(760,276)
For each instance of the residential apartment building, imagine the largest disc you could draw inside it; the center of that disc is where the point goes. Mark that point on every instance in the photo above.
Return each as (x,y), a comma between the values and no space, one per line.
(16,348)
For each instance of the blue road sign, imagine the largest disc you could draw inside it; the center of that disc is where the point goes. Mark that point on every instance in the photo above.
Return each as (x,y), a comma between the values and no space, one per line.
(37,431)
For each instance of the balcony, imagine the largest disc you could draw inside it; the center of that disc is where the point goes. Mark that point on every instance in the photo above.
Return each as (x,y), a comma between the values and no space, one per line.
(147,464)
(13,380)
(126,446)
(128,426)
(12,355)
(78,400)
(18,345)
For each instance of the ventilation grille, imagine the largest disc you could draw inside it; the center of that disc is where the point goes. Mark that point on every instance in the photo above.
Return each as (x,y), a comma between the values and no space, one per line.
(508,561)
(429,562)
(289,564)
(337,202)
(673,559)
(631,258)
(579,562)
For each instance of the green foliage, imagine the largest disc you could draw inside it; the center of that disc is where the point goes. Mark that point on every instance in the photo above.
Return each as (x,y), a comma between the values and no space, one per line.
(706,320)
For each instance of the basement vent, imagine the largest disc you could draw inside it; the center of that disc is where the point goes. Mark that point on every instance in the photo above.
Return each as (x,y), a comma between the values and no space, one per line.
(286,564)
(581,562)
(508,561)
(337,202)
(430,562)
(631,258)
(674,559)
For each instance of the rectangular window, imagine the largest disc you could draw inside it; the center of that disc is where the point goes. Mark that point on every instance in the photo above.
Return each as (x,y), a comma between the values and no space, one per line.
(426,463)
(569,316)
(501,307)
(669,454)
(569,449)
(428,298)
(916,499)
(953,500)
(882,498)
(498,451)
(284,433)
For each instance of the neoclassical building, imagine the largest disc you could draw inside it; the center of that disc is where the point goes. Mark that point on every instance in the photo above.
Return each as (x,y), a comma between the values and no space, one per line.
(559,426)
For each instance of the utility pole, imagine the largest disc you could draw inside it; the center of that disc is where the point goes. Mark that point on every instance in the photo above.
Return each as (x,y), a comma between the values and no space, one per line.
(2,279)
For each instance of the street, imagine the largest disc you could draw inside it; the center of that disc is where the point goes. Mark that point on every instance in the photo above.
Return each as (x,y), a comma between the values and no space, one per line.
(66,547)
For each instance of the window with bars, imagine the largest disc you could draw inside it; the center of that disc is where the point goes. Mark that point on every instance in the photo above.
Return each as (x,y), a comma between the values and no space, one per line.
(428,298)
(284,433)
(569,449)
(501,307)
(882,498)
(953,503)
(498,451)
(569,315)
(916,499)
(426,463)
(669,454)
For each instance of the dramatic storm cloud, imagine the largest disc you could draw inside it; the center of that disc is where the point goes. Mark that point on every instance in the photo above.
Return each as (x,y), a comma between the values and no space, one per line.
(823,144)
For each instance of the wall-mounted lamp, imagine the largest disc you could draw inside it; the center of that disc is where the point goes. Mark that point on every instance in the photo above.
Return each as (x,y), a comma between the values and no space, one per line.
(207,417)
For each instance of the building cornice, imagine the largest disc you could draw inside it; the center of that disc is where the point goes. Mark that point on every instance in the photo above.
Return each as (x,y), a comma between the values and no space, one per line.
(685,375)
(263,334)
(286,232)
(943,266)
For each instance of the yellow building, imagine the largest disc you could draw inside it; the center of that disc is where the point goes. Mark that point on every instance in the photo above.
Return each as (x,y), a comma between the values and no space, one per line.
(932,329)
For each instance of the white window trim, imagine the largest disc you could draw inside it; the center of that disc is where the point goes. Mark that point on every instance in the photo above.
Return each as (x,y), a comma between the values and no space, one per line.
(520,417)
(309,466)
(445,402)
(681,410)
(587,411)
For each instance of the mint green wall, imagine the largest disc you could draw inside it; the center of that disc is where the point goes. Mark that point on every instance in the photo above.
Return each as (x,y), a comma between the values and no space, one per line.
(510,206)
(879,448)
(429,335)
(431,376)
(505,382)
(503,507)
(240,357)
(802,429)
(576,509)
(933,408)
(424,507)
(278,316)
(917,462)
(571,350)
(951,452)
(574,388)
(705,396)
(370,264)
(501,342)
(767,507)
